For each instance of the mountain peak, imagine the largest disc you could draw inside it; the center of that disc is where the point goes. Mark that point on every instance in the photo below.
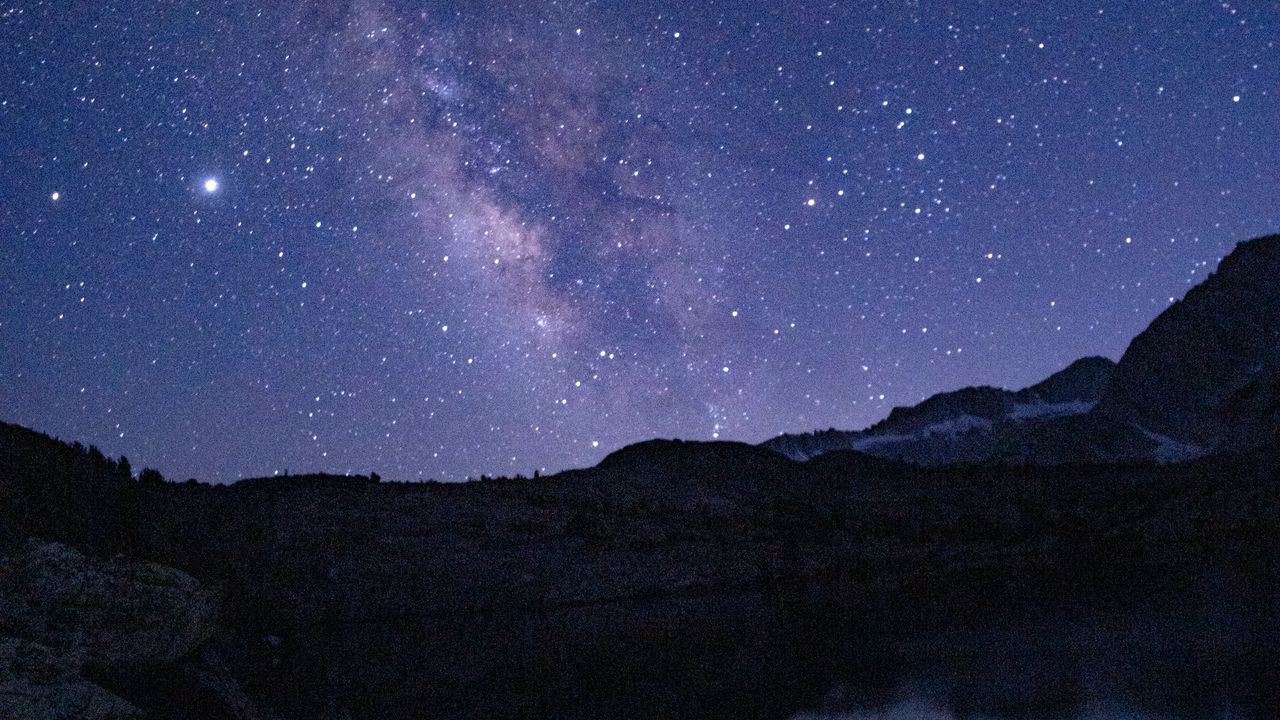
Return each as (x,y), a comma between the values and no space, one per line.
(963,425)
(1203,377)
(1082,380)
(1207,356)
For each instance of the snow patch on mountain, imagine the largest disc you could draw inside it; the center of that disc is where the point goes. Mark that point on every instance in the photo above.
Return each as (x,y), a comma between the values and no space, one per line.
(1036,410)
(1169,450)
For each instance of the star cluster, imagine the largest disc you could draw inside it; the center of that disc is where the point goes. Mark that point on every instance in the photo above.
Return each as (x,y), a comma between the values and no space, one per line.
(438,239)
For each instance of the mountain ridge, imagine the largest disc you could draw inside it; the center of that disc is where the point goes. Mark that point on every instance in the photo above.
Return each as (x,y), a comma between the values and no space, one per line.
(937,430)
(1222,339)
(1209,361)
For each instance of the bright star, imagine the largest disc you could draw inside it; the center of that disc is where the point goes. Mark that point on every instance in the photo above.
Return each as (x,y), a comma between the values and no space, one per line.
(211,185)
(55,196)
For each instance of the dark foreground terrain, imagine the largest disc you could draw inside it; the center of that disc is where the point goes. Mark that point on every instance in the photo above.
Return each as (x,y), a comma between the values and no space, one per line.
(674,580)
(700,580)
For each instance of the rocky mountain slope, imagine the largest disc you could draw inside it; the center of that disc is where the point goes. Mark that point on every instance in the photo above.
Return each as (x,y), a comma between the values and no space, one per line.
(1206,373)
(966,425)
(1204,377)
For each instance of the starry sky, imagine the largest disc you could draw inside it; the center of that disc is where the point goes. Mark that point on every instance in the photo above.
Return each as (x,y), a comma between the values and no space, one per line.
(442,238)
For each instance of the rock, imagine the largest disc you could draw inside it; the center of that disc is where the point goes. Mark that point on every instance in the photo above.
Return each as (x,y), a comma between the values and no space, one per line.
(37,683)
(70,624)
(22,658)
(1208,358)
(125,617)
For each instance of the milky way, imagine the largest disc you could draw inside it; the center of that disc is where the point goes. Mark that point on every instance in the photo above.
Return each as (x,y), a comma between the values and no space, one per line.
(441,239)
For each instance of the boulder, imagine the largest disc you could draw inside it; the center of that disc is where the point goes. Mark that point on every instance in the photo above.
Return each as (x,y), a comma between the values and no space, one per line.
(124,617)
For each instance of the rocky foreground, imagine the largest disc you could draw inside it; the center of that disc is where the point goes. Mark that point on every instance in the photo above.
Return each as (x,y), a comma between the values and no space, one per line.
(674,580)
(72,624)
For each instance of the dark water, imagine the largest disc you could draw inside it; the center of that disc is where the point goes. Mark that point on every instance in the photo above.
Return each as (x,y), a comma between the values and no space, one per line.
(1181,661)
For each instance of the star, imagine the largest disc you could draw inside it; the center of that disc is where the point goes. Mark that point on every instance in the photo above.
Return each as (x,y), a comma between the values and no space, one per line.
(548,215)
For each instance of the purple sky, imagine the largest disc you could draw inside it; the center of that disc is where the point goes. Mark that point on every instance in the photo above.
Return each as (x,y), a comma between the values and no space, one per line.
(440,239)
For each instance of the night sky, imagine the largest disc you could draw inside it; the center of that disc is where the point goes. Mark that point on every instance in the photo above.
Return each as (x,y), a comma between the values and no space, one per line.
(438,239)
